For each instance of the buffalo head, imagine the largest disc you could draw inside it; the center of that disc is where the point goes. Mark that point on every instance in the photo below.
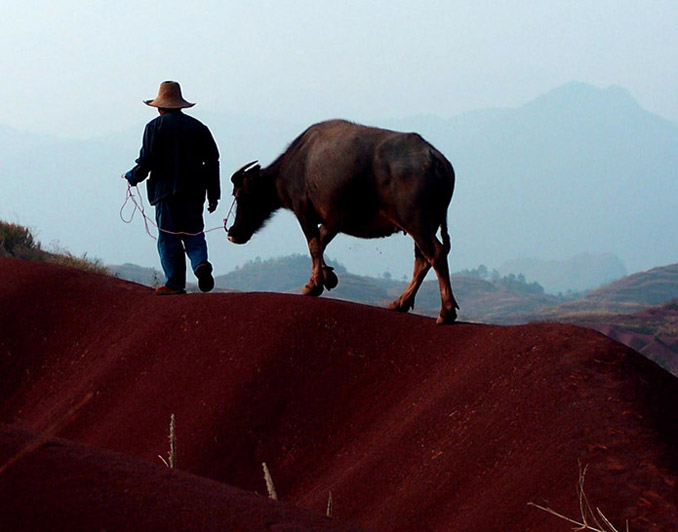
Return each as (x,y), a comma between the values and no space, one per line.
(255,202)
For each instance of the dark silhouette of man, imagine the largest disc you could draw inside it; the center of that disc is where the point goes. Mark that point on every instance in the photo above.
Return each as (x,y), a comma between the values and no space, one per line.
(181,160)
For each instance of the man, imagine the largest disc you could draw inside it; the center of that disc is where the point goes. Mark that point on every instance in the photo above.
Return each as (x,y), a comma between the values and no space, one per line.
(181,160)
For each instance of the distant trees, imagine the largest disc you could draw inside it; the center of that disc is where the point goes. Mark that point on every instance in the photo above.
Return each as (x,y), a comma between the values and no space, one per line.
(511,282)
(279,274)
(479,273)
(293,261)
(518,283)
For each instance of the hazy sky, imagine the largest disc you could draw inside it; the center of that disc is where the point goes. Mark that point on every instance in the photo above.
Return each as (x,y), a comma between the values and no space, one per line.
(81,68)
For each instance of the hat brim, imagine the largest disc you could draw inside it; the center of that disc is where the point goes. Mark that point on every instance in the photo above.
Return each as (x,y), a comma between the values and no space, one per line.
(183,104)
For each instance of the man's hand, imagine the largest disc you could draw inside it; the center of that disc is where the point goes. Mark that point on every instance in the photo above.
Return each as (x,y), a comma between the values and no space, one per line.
(130,177)
(212,206)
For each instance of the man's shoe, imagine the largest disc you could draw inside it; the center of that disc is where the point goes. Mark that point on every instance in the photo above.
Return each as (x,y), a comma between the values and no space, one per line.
(204,274)
(168,291)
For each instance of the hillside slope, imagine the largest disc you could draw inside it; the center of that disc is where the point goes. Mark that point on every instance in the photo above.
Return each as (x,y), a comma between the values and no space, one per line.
(412,426)
(67,486)
(652,331)
(629,294)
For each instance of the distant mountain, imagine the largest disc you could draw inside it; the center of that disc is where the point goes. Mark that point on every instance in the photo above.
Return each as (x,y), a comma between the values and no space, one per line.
(137,274)
(581,272)
(652,287)
(627,295)
(577,169)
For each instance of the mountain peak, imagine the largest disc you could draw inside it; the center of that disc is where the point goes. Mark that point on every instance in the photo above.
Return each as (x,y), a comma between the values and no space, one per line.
(579,94)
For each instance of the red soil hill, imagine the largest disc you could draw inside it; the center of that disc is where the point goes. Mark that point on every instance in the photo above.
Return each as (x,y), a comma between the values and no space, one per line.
(412,426)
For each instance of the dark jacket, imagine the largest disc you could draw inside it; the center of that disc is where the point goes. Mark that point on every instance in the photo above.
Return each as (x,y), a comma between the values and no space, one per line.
(181,157)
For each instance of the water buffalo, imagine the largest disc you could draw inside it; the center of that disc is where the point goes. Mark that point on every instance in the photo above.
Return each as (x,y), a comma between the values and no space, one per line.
(341,177)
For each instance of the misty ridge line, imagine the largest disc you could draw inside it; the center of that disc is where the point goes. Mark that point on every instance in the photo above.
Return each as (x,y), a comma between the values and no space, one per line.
(36,137)
(612,91)
(576,170)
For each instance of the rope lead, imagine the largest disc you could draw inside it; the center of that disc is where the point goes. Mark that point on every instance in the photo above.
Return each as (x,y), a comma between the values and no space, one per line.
(139,206)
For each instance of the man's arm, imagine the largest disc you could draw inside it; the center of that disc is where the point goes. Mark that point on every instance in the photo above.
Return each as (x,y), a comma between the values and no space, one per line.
(211,168)
(143,163)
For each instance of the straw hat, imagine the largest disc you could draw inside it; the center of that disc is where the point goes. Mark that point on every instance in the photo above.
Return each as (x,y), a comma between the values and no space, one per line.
(169,97)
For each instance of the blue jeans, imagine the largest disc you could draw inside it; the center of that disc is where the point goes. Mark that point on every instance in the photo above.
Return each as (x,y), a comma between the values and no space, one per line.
(172,214)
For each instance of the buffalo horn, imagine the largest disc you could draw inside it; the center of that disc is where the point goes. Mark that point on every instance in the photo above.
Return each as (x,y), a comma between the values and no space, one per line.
(240,172)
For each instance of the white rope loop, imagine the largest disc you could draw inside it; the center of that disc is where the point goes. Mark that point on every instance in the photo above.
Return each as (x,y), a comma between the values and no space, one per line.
(139,206)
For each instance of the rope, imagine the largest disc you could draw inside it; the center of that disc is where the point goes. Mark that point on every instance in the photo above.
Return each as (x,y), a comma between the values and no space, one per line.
(139,206)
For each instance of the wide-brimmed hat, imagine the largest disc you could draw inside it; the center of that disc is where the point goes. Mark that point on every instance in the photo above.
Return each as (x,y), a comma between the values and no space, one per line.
(169,97)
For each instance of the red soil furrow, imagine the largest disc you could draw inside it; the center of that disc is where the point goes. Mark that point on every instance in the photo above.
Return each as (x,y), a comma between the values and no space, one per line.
(412,426)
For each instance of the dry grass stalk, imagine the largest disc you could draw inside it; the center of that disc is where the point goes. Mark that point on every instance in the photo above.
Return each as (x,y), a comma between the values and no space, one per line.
(590,519)
(171,461)
(329,505)
(269,483)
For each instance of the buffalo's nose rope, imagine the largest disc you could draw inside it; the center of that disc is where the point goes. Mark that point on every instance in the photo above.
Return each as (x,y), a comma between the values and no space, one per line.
(229,214)
(138,202)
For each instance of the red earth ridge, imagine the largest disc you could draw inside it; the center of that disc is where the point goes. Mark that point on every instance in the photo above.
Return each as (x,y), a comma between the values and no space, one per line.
(411,426)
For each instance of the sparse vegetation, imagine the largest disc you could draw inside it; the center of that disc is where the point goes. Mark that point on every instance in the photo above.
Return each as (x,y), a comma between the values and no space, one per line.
(595,521)
(19,242)
(171,461)
(66,258)
(269,483)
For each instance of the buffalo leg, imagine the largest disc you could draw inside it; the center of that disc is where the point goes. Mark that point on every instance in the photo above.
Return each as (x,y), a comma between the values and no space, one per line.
(436,255)
(315,286)
(321,275)
(330,279)
(421,267)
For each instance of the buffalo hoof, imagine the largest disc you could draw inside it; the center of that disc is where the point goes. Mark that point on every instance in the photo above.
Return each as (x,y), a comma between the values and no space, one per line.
(330,279)
(312,290)
(400,306)
(446,317)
